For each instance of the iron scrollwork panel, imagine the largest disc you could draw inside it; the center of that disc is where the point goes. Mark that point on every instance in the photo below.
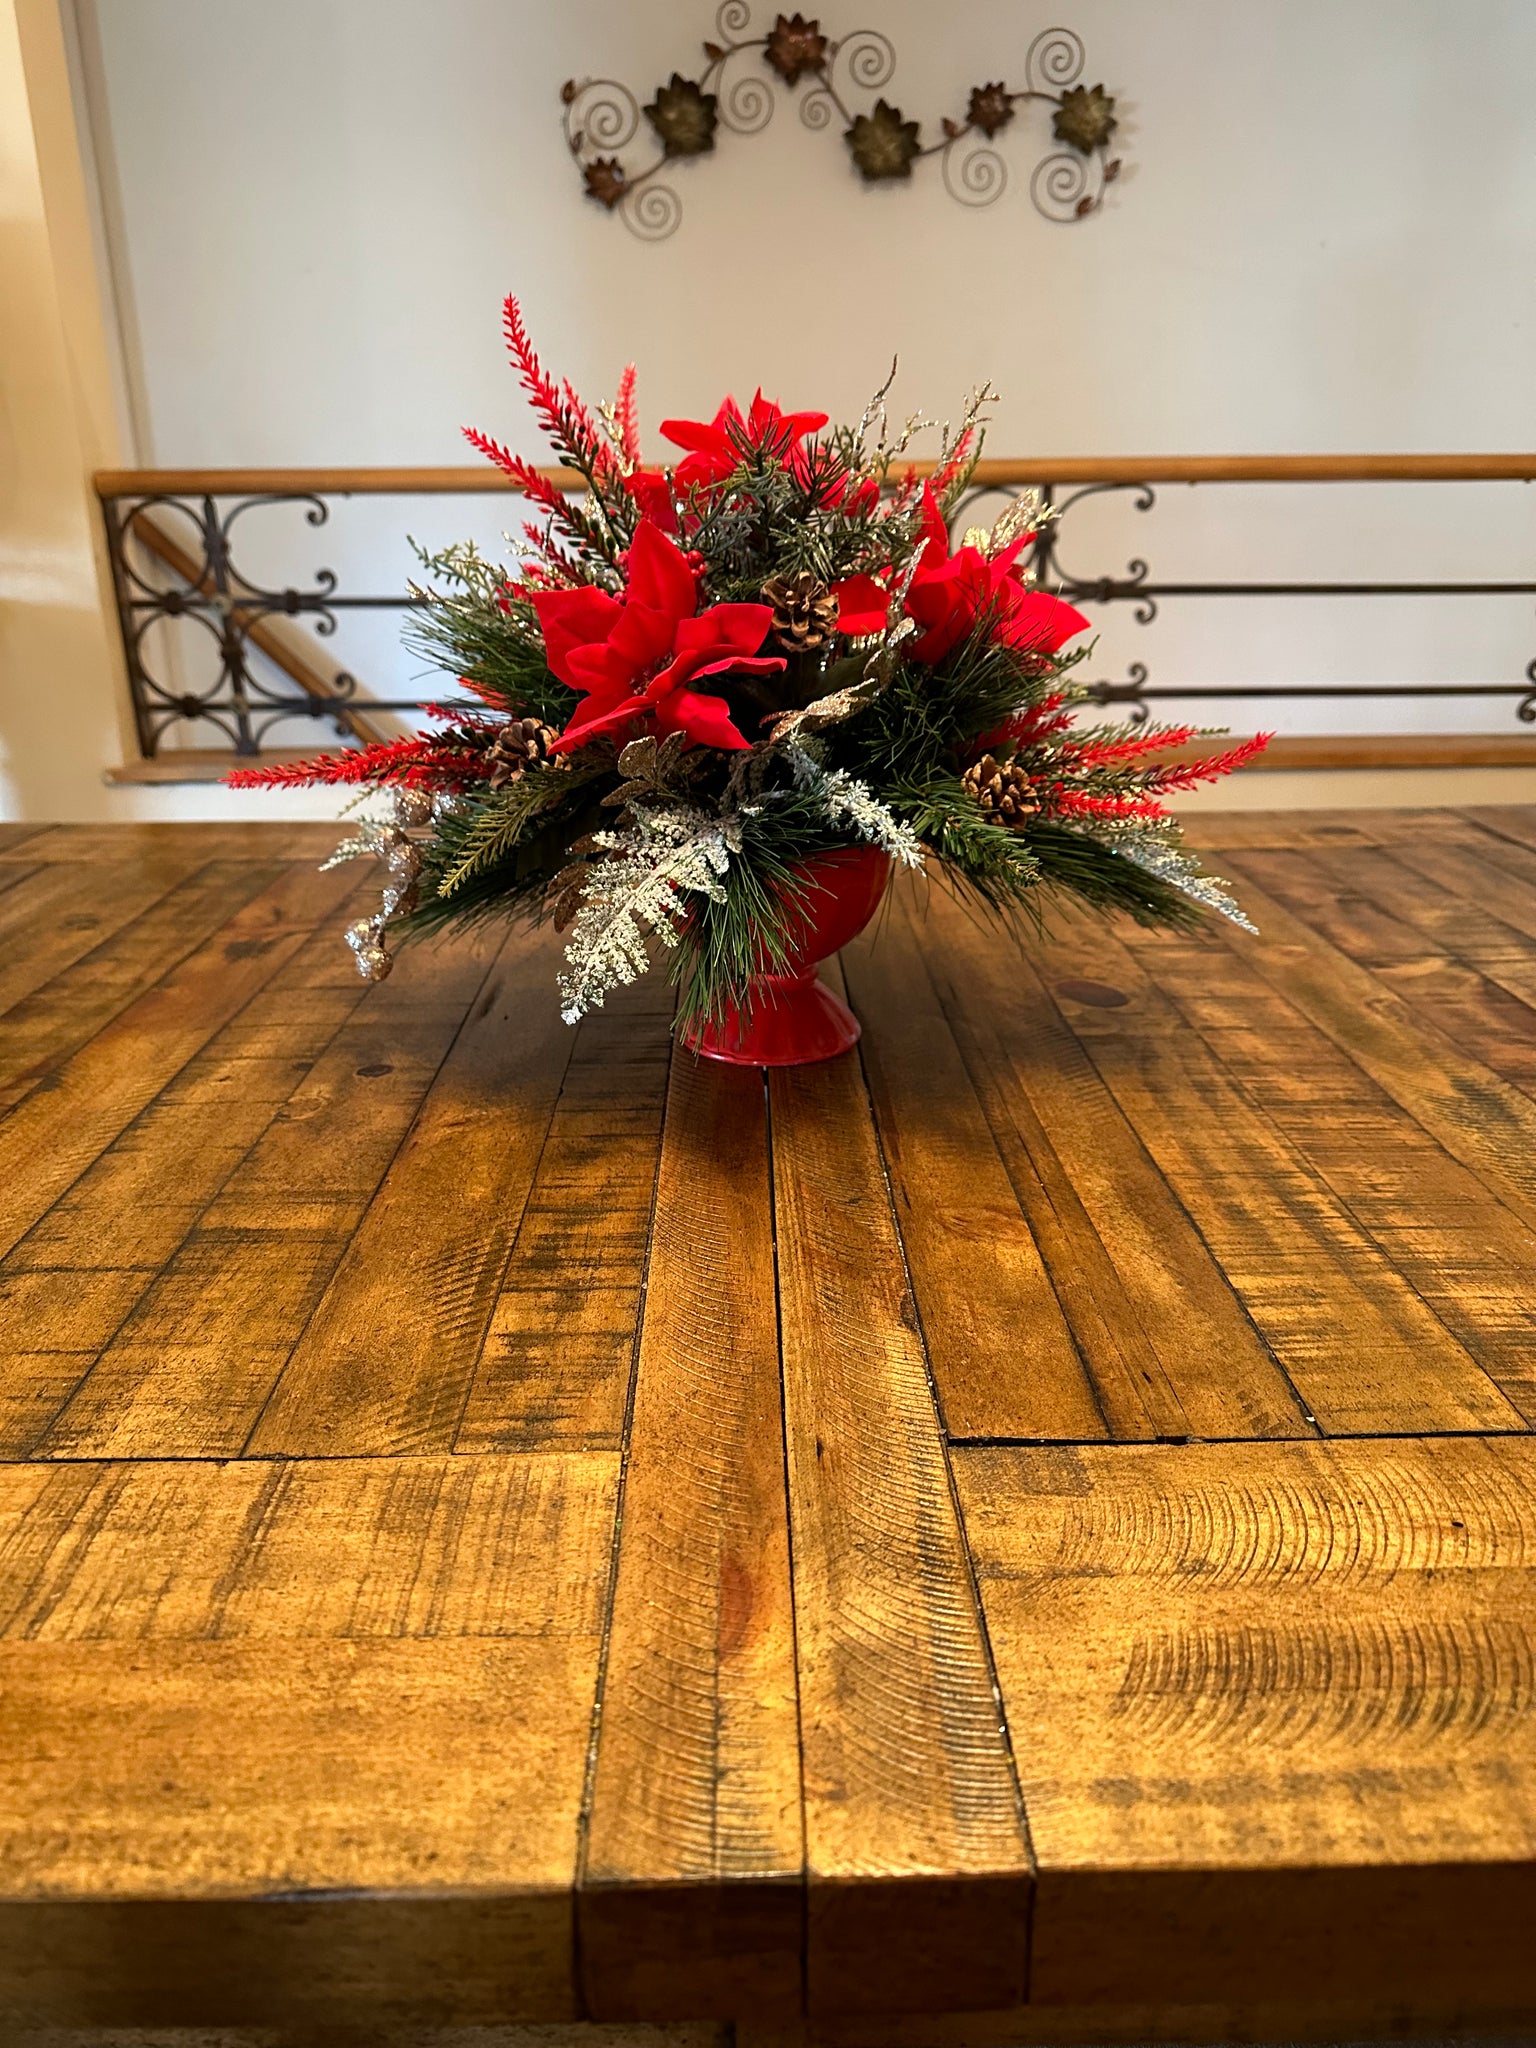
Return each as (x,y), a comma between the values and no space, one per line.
(204,585)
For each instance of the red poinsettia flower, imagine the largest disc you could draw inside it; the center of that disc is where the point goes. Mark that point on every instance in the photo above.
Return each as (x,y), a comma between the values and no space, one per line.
(635,658)
(714,446)
(951,592)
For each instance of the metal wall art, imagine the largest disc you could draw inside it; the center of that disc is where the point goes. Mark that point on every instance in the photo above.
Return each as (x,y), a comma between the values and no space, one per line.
(684,116)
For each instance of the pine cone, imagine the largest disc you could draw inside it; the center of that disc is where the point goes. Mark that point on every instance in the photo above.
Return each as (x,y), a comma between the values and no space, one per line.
(1002,788)
(804,611)
(521,744)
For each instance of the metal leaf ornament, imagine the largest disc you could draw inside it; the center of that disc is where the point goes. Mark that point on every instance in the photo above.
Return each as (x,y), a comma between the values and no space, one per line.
(1086,118)
(795,46)
(834,78)
(882,144)
(684,116)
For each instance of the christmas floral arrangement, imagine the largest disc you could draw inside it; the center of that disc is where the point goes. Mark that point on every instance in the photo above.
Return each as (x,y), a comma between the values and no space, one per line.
(713,694)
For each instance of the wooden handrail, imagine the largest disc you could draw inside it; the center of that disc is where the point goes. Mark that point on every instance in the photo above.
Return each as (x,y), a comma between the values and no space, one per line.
(1001,471)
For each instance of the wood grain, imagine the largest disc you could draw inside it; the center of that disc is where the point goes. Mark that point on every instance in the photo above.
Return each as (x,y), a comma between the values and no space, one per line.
(1474,1113)
(1273,1707)
(135,1204)
(1356,1342)
(691,1894)
(47,1142)
(387,1359)
(276,1701)
(1168,1343)
(917,1855)
(108,845)
(56,1017)
(1002,1354)
(390,1638)
(555,1367)
(1466,1256)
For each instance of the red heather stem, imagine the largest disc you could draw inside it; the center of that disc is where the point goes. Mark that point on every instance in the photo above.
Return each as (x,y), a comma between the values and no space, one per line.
(1211,769)
(628,417)
(415,763)
(522,473)
(567,422)
(1089,753)
(1080,803)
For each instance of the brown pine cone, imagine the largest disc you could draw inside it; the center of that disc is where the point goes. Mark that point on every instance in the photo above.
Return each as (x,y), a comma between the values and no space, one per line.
(521,744)
(804,611)
(1002,788)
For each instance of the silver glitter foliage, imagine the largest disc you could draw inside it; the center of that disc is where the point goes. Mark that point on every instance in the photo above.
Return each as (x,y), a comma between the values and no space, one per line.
(845,801)
(637,891)
(1182,871)
(391,843)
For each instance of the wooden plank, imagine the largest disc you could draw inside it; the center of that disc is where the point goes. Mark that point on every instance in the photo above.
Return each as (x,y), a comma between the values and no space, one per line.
(104,845)
(1353,1338)
(319,1731)
(136,1203)
(52,1136)
(14,836)
(1495,872)
(1462,1252)
(1446,921)
(1295,2018)
(50,916)
(691,1898)
(555,1368)
(52,1325)
(1207,830)
(1002,1354)
(1515,822)
(1211,830)
(54,1018)
(191,1369)
(1273,1711)
(386,1362)
(1474,1113)
(1170,1347)
(917,1858)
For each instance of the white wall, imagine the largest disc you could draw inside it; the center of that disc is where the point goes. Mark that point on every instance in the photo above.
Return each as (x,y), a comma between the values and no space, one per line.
(1322,241)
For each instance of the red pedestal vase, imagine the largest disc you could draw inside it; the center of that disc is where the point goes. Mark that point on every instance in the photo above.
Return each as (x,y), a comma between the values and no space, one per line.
(794,1018)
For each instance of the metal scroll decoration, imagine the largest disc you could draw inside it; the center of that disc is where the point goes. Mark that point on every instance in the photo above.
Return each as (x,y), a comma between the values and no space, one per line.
(602,117)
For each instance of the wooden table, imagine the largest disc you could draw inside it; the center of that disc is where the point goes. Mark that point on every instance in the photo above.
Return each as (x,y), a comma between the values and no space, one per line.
(1034,1520)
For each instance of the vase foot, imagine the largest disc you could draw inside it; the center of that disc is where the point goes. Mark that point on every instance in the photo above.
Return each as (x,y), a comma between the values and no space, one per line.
(791,1023)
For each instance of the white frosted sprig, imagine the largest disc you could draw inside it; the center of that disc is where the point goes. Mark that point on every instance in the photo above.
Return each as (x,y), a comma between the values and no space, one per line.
(1182,871)
(637,893)
(846,801)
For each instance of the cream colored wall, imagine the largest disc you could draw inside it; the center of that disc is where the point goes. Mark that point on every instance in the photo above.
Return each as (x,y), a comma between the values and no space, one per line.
(62,701)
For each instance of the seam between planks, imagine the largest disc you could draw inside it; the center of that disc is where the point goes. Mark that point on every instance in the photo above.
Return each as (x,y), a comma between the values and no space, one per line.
(610,1591)
(954,1498)
(789,1522)
(410,1126)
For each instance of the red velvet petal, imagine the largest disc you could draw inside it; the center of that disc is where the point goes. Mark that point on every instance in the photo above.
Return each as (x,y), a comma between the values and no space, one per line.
(742,665)
(659,575)
(593,717)
(573,618)
(706,720)
(1041,623)
(642,637)
(725,626)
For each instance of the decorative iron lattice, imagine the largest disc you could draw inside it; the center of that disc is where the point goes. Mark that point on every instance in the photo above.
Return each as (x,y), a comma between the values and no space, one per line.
(602,118)
(249,699)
